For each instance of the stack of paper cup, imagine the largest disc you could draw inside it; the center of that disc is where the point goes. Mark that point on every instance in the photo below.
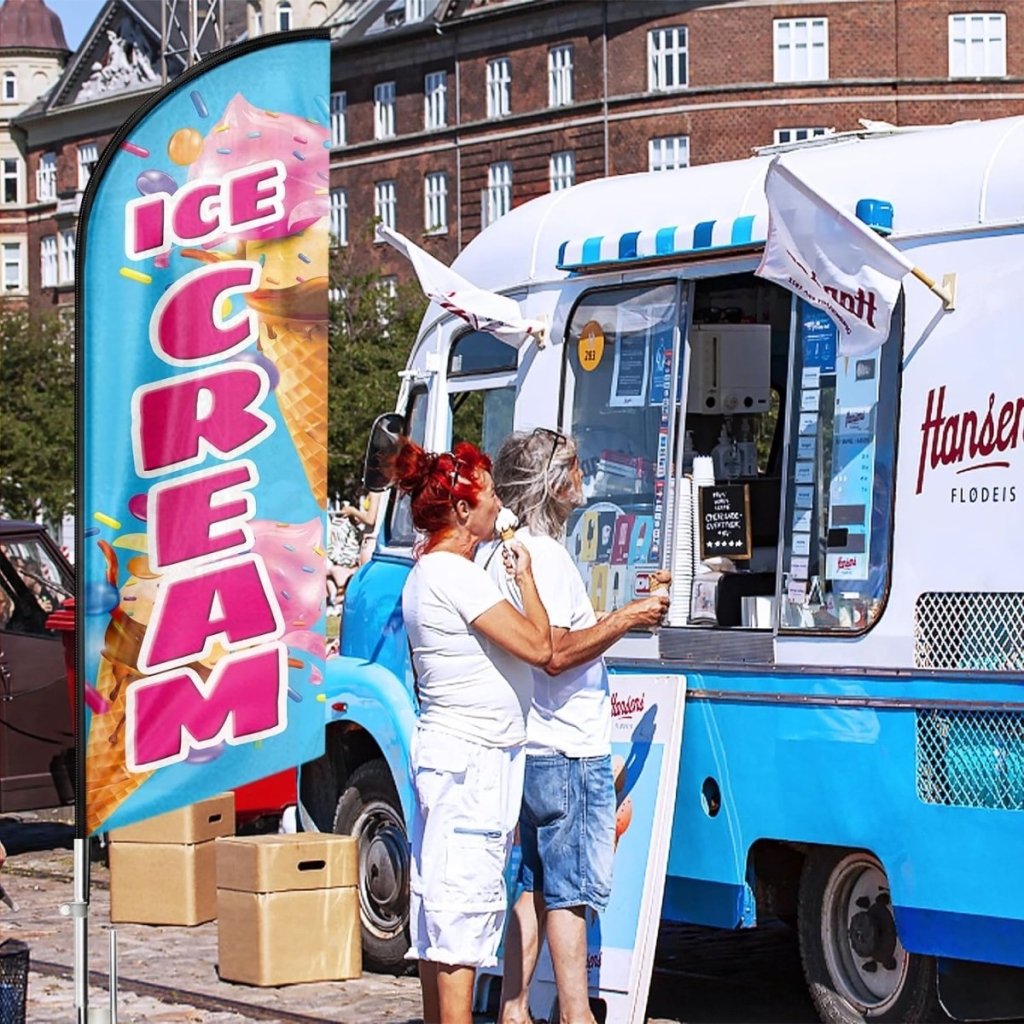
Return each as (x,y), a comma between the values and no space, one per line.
(681,562)
(703,476)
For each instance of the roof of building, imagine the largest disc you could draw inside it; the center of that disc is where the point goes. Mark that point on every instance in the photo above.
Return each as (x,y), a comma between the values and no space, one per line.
(30,24)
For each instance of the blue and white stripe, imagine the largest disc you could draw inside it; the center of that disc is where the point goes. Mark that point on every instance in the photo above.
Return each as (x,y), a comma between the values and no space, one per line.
(706,236)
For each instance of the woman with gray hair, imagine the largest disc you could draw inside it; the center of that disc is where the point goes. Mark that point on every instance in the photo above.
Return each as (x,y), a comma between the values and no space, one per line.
(567,823)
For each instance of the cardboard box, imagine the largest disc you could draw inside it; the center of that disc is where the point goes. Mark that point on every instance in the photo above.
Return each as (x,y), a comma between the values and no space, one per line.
(285,863)
(280,938)
(198,823)
(163,883)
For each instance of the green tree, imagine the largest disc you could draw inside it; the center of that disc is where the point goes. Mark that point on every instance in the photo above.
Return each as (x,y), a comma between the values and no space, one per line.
(37,415)
(371,334)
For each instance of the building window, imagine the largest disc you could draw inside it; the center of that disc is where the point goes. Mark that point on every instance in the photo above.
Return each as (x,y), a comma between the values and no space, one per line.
(435,100)
(499,192)
(46,178)
(435,203)
(12,266)
(87,159)
(801,50)
(668,153)
(415,10)
(783,136)
(48,260)
(666,59)
(385,203)
(10,86)
(563,170)
(10,172)
(284,16)
(384,110)
(499,85)
(339,110)
(560,76)
(339,216)
(977,45)
(67,256)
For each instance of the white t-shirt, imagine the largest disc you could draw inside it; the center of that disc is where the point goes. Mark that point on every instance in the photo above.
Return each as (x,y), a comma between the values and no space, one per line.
(461,688)
(570,713)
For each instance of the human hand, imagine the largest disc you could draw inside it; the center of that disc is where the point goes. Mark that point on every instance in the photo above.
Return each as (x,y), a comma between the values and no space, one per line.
(516,559)
(647,612)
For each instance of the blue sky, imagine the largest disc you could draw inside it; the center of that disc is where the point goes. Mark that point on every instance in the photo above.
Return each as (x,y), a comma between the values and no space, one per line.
(76,16)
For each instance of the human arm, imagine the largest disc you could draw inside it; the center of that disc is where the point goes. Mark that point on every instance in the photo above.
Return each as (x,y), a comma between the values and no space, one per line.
(357,514)
(526,634)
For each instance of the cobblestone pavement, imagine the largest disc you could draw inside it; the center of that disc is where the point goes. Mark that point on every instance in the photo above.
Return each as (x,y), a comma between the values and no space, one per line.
(700,977)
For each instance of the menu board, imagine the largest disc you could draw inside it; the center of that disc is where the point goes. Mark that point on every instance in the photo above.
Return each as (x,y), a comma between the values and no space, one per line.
(725,521)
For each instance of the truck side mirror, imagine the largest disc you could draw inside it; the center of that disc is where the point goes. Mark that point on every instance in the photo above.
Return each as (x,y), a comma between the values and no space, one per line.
(384,435)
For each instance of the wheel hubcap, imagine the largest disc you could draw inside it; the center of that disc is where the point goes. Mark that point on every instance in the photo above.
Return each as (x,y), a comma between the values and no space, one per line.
(865,958)
(383,869)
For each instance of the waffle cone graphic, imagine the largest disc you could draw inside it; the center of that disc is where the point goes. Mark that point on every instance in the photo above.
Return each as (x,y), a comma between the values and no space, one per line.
(108,781)
(293,335)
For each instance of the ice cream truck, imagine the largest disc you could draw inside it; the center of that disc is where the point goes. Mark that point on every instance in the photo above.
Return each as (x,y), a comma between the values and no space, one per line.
(844,536)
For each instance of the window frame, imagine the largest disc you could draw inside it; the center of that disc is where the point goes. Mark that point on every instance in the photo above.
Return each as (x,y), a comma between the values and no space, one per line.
(46,173)
(966,17)
(88,157)
(283,15)
(664,165)
(435,200)
(18,262)
(339,118)
(66,255)
(338,217)
(10,174)
(499,87)
(385,198)
(384,103)
(49,260)
(789,72)
(10,86)
(811,132)
(561,69)
(435,100)
(663,53)
(499,190)
(561,178)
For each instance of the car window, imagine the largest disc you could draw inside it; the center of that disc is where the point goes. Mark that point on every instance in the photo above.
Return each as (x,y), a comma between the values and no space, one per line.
(31,585)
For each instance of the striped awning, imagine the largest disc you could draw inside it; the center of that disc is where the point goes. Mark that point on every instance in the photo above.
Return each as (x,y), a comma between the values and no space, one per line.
(706,237)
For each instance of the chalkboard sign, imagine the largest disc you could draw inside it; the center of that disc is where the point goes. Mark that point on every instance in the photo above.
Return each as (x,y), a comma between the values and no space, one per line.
(725,521)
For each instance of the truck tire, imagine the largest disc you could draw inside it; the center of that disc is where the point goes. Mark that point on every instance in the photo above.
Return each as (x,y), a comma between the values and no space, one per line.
(856,967)
(369,809)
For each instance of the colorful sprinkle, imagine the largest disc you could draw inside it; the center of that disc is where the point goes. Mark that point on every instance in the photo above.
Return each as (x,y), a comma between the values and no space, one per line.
(322,176)
(319,191)
(130,147)
(197,102)
(294,695)
(107,520)
(223,150)
(288,547)
(136,275)
(295,663)
(263,258)
(253,135)
(97,703)
(286,595)
(222,128)
(163,261)
(319,551)
(299,279)
(304,258)
(300,140)
(308,568)
(132,542)
(271,280)
(297,155)
(326,143)
(321,698)
(270,113)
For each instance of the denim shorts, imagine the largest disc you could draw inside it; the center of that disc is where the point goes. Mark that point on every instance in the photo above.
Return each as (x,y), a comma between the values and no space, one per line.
(567,830)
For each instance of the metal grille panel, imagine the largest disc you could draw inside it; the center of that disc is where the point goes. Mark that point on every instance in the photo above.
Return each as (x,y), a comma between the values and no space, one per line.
(980,632)
(971,758)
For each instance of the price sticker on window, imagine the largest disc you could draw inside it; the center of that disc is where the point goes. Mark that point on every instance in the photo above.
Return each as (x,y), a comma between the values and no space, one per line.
(590,348)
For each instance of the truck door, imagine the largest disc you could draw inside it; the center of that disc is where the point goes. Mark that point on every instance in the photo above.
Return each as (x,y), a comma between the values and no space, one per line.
(36,735)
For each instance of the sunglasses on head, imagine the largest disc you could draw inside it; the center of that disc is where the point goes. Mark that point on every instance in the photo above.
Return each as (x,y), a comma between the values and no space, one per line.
(557,439)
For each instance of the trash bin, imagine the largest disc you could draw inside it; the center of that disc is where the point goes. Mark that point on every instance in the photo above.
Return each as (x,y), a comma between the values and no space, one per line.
(63,621)
(13,981)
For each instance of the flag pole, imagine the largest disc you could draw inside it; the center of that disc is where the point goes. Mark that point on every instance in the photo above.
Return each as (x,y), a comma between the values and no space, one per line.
(945,291)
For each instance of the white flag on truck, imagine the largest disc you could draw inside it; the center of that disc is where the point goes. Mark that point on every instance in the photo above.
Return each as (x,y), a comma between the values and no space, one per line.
(482,310)
(823,255)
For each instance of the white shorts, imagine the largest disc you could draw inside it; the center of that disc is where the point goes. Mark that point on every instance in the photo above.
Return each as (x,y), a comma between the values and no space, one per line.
(468,799)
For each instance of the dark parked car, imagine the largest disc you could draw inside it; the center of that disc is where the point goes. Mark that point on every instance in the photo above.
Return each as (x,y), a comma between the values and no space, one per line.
(36,732)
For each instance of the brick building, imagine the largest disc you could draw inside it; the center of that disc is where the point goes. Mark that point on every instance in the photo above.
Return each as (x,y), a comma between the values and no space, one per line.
(447,113)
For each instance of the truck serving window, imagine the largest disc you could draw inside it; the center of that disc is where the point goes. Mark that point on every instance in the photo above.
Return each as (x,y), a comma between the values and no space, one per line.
(481,390)
(840,478)
(619,352)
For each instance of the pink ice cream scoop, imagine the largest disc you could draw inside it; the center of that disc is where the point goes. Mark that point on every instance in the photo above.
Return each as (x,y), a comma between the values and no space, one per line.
(245,135)
(295,564)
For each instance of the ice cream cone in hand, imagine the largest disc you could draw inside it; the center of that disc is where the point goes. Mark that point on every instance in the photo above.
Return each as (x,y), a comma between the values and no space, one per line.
(506,523)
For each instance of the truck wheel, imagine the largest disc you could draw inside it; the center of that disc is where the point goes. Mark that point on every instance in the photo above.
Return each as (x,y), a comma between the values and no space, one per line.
(369,809)
(855,965)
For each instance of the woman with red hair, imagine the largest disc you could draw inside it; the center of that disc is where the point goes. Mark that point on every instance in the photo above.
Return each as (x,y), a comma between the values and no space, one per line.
(467,753)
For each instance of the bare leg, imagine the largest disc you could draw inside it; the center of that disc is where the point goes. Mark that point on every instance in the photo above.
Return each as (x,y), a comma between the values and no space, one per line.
(522,947)
(428,986)
(567,937)
(455,993)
